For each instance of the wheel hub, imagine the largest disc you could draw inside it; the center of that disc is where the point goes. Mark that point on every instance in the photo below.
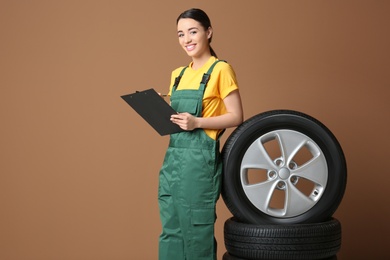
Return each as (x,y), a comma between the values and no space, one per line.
(284,173)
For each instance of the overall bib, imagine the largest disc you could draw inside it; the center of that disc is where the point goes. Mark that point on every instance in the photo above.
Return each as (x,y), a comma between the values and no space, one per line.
(189,185)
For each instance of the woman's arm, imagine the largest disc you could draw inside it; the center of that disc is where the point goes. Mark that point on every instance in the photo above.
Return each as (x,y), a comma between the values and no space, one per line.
(233,117)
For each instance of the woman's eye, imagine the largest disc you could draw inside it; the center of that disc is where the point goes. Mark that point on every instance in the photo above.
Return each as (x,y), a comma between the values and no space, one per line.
(193,32)
(180,35)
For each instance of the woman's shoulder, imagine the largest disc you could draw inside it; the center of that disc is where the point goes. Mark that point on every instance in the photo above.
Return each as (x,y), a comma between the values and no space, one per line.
(223,63)
(223,66)
(177,71)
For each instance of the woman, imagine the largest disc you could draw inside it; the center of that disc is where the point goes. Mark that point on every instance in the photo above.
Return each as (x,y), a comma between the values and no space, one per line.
(190,178)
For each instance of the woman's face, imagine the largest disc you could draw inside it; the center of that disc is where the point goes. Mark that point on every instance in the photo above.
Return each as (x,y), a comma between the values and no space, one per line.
(193,37)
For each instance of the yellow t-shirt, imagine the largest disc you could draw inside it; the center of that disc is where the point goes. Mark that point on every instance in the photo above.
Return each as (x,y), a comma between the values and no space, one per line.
(222,82)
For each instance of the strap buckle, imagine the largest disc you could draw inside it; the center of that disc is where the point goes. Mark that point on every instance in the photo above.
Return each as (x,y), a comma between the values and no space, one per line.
(177,80)
(205,78)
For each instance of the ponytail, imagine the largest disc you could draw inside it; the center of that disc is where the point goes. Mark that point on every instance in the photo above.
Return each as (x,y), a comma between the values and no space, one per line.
(213,52)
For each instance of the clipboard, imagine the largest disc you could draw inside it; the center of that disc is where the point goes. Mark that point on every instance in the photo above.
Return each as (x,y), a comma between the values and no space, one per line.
(154,110)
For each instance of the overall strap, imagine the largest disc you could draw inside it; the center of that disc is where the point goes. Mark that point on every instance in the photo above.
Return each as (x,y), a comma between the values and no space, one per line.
(203,83)
(206,76)
(178,78)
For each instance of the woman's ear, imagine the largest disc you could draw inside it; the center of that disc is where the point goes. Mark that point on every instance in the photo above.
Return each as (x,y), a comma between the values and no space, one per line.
(209,32)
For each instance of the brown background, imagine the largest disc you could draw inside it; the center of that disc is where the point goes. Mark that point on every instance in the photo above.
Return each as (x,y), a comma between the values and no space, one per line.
(79,168)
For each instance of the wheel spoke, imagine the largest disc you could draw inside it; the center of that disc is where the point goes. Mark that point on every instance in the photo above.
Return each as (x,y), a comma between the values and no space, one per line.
(296,202)
(314,170)
(260,194)
(290,143)
(256,157)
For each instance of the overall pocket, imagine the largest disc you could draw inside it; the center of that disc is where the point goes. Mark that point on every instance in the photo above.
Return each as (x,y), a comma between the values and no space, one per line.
(188,105)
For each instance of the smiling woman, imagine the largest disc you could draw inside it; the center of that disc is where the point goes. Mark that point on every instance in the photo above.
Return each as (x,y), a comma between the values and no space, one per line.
(190,178)
(198,30)
(194,39)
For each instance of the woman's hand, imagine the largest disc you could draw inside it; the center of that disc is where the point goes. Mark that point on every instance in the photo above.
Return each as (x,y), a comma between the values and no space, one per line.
(186,121)
(233,116)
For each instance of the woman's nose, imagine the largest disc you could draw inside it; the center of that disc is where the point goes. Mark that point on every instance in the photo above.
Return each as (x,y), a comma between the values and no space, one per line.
(187,39)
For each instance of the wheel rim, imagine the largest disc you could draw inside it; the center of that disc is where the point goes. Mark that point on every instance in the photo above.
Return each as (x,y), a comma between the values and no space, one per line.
(284,173)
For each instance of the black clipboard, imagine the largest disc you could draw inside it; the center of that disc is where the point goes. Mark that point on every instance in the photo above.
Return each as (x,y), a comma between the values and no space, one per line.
(154,109)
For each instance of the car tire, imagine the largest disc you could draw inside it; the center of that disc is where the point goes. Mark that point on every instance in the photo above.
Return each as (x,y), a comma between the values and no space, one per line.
(301,177)
(283,242)
(228,256)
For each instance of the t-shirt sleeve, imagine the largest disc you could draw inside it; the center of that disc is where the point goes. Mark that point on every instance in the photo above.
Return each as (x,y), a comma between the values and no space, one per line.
(227,80)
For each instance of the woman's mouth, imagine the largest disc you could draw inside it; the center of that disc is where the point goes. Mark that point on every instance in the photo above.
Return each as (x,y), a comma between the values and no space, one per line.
(190,47)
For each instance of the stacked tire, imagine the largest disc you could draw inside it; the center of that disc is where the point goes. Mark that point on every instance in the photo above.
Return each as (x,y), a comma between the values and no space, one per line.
(284,177)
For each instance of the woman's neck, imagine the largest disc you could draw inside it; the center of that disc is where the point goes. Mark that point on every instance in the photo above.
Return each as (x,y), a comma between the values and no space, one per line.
(198,62)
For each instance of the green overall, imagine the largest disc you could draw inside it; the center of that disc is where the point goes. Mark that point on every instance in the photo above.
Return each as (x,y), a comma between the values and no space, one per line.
(189,185)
